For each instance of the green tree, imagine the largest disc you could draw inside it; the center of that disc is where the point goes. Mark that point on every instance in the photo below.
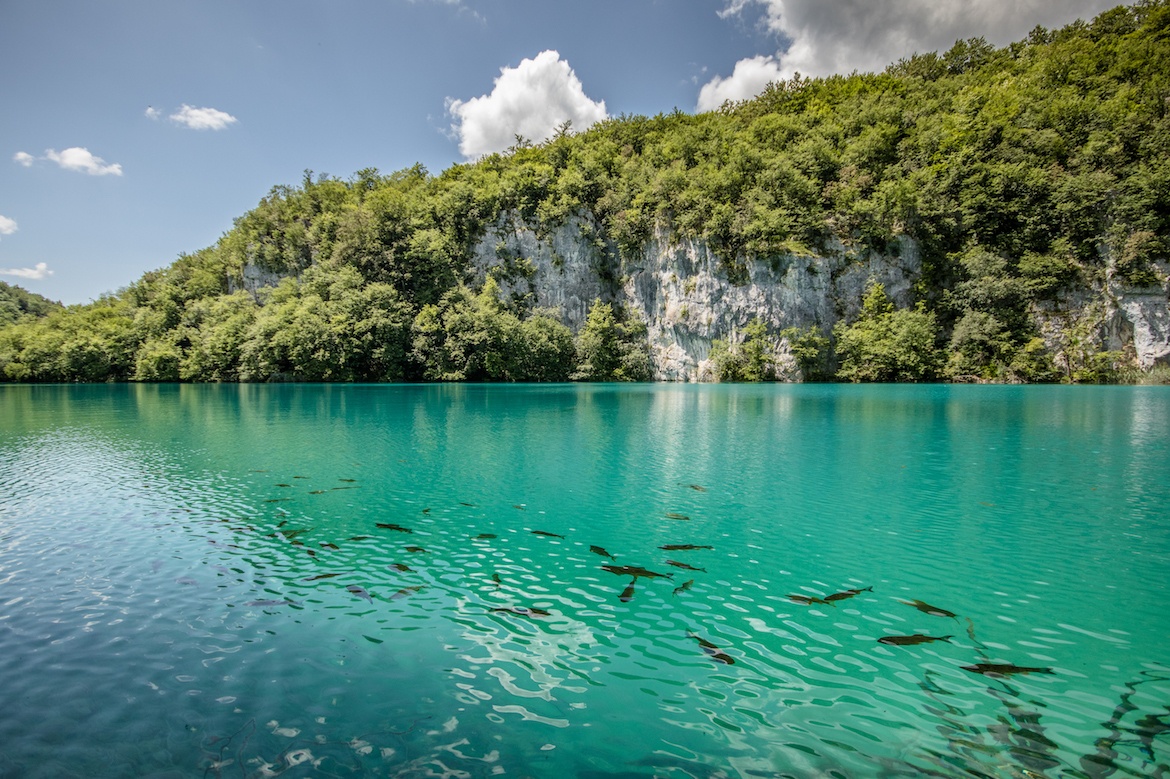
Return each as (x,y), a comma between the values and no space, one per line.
(888,345)
(609,349)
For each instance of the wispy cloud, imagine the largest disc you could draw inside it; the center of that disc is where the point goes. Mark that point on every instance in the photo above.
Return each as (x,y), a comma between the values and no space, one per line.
(23,158)
(81,160)
(530,100)
(819,38)
(201,118)
(39,272)
(7,226)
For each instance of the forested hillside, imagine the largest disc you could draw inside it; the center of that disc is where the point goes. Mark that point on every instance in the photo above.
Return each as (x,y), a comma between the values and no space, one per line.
(1029,178)
(17,303)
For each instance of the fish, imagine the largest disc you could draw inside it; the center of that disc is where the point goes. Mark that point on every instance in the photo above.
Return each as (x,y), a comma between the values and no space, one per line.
(322,576)
(846,594)
(403,567)
(328,545)
(682,547)
(496,579)
(524,611)
(926,608)
(697,487)
(677,564)
(360,538)
(484,536)
(282,523)
(635,571)
(360,592)
(675,515)
(1004,669)
(257,470)
(684,586)
(283,485)
(316,492)
(406,592)
(806,600)
(352,487)
(348,481)
(291,534)
(601,551)
(393,526)
(415,549)
(271,603)
(469,505)
(519,506)
(628,592)
(426,511)
(912,640)
(300,477)
(712,650)
(546,533)
(277,500)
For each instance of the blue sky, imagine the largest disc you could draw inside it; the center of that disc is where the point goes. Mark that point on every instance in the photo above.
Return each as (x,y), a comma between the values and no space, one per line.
(135,130)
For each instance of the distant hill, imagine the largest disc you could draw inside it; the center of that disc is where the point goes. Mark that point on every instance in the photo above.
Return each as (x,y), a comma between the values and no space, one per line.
(16,303)
(980,214)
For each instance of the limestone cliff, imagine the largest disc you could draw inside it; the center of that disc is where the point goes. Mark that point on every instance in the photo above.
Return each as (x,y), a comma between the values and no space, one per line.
(682,289)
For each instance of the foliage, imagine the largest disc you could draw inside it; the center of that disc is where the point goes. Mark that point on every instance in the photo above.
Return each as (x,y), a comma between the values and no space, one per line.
(16,303)
(886,344)
(610,349)
(752,360)
(468,337)
(1023,174)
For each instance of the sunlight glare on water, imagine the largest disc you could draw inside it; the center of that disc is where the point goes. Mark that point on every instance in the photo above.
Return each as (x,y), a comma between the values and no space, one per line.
(470,580)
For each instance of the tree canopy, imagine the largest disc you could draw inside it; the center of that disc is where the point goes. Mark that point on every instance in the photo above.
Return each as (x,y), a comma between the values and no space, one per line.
(1025,174)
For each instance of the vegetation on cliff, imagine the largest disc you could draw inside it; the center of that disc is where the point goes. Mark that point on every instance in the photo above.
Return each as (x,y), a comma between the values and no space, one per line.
(1025,174)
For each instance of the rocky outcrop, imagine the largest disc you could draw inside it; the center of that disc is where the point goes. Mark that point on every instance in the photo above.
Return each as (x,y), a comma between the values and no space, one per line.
(683,290)
(1131,320)
(252,278)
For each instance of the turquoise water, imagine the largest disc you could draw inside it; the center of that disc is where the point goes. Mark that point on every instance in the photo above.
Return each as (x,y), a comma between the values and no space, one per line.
(193,581)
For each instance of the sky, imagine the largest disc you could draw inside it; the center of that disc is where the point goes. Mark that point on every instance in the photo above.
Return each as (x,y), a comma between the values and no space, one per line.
(133,131)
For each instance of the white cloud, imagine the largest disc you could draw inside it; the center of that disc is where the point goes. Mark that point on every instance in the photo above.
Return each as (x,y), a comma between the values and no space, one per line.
(23,158)
(39,272)
(747,80)
(80,159)
(529,100)
(152,113)
(202,118)
(821,38)
(7,226)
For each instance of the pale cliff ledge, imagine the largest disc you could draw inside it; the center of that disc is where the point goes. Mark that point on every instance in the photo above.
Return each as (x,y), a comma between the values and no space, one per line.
(1131,320)
(680,287)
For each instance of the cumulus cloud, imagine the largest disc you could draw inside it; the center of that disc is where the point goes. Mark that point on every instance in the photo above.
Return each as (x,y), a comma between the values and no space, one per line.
(39,272)
(747,80)
(821,38)
(531,100)
(80,159)
(23,158)
(7,226)
(152,113)
(201,118)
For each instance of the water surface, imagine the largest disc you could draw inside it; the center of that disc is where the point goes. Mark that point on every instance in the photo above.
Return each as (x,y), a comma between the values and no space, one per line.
(193,580)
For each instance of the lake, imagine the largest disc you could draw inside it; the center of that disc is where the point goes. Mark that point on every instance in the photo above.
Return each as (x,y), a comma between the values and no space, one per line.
(409,581)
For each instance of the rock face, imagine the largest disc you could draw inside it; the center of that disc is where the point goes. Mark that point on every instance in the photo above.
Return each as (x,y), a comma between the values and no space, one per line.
(1134,321)
(688,296)
(252,278)
(682,290)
